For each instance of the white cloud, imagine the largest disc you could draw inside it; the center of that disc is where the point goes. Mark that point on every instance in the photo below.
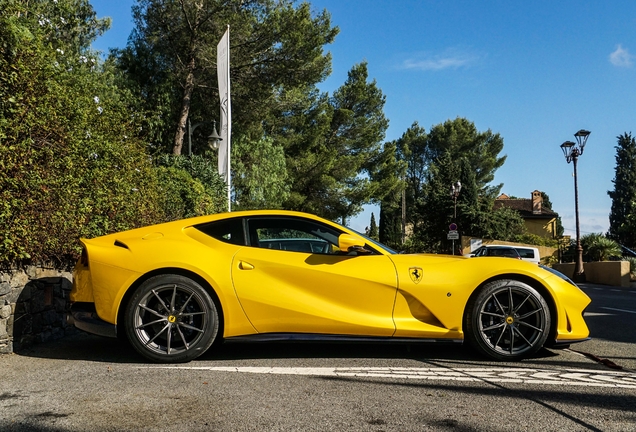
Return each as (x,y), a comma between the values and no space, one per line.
(448,60)
(621,57)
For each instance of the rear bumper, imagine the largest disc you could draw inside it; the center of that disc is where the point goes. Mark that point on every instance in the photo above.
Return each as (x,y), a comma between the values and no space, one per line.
(84,317)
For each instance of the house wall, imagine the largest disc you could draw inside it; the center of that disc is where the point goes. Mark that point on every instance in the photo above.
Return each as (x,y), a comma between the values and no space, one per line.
(541,227)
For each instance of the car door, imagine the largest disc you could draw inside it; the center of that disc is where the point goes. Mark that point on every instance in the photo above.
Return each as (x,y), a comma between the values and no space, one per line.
(293,279)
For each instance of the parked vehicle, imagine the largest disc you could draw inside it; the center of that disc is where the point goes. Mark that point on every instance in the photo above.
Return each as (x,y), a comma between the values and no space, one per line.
(176,289)
(526,253)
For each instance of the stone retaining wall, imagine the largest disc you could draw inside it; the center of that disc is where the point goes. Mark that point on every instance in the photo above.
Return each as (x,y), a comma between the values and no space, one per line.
(33,305)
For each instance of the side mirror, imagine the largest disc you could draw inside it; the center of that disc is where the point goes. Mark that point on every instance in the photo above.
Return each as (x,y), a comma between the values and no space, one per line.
(348,243)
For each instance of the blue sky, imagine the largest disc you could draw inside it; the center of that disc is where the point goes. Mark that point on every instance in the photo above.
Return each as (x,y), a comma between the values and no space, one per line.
(535,72)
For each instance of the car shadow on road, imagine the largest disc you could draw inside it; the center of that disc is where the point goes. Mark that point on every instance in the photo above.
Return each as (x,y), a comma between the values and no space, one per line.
(86,347)
(83,346)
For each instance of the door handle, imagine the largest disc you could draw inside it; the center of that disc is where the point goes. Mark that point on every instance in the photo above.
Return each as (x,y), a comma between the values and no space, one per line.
(245,265)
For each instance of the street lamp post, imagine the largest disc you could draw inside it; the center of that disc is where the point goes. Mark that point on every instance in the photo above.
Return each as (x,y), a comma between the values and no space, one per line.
(572,151)
(213,138)
(454,193)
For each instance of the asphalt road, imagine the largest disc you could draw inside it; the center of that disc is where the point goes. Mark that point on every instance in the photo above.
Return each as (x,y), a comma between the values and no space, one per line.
(87,383)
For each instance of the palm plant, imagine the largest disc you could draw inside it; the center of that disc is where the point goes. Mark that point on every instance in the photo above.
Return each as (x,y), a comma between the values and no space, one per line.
(599,248)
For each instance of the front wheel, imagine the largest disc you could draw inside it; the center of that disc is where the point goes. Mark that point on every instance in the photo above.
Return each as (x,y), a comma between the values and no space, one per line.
(171,319)
(508,320)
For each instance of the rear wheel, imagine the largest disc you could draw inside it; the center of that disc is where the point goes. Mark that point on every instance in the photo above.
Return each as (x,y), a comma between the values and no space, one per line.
(171,319)
(508,320)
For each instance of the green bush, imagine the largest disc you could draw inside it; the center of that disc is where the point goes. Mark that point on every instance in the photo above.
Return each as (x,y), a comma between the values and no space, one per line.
(536,240)
(597,247)
(182,196)
(70,163)
(189,186)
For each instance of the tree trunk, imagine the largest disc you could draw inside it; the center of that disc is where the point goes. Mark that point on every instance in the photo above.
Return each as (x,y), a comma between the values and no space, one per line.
(185,109)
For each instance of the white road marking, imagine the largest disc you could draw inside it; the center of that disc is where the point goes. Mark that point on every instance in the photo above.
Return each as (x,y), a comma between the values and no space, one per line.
(569,377)
(619,310)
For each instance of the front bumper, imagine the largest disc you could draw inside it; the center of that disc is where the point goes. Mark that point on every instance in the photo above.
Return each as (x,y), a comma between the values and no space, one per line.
(84,317)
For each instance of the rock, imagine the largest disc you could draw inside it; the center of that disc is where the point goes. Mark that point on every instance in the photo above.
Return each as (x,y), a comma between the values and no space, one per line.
(5,288)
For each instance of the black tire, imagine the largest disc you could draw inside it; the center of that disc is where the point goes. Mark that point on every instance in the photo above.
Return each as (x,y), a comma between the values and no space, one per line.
(508,320)
(171,319)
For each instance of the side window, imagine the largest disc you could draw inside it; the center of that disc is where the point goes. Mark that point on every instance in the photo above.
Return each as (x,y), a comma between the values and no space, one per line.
(228,230)
(292,234)
(526,253)
(503,252)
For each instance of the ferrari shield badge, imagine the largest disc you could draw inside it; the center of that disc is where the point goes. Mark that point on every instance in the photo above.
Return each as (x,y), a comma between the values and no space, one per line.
(416,274)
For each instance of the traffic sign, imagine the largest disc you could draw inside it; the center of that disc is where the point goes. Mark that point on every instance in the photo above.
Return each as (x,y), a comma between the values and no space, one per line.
(453,235)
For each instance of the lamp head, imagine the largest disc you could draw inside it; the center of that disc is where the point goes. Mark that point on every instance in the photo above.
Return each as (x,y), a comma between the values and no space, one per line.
(455,189)
(214,140)
(567,148)
(581,138)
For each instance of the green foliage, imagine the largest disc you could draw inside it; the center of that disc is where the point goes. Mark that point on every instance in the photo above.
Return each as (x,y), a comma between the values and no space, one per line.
(505,224)
(623,212)
(390,227)
(259,172)
(182,196)
(71,165)
(479,150)
(390,174)
(189,186)
(334,147)
(276,47)
(597,247)
(451,151)
(536,240)
(373,228)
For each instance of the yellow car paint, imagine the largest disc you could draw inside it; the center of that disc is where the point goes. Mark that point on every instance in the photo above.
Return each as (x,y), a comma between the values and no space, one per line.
(269,291)
(295,292)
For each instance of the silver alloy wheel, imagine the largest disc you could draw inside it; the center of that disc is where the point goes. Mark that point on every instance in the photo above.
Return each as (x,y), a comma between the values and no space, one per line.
(512,320)
(170,318)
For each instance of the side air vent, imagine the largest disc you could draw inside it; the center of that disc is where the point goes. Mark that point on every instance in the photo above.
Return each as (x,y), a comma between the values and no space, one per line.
(120,244)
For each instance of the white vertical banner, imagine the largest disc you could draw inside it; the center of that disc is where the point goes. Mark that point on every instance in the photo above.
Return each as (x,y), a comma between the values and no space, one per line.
(223,74)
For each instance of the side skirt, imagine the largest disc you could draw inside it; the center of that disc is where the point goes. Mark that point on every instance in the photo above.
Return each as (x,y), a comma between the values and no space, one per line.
(307,337)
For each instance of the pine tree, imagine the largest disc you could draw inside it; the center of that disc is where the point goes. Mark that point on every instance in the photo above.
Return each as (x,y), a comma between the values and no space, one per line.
(373,228)
(334,150)
(170,61)
(623,212)
(451,151)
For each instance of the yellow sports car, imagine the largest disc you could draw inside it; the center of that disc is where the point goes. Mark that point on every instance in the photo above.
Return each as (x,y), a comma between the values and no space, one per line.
(175,289)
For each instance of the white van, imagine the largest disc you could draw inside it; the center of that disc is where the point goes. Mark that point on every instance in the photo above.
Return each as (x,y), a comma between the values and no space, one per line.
(526,253)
